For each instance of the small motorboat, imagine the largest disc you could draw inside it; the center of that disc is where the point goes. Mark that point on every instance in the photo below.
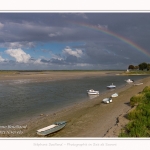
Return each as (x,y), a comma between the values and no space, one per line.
(107,100)
(114,95)
(129,81)
(52,128)
(92,92)
(111,86)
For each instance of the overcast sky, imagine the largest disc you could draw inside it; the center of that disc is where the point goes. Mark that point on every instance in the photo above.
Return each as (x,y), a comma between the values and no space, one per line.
(73,40)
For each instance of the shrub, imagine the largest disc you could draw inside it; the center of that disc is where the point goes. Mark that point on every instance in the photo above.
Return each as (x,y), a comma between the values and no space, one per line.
(146,89)
(139,125)
(133,115)
(137,99)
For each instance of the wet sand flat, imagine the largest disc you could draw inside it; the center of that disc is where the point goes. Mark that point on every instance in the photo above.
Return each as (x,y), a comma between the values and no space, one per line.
(51,75)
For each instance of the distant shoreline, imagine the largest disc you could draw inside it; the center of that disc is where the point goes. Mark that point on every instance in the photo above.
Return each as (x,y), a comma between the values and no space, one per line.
(51,75)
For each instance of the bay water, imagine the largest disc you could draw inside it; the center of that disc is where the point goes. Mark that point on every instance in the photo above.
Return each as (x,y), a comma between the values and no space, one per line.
(20,99)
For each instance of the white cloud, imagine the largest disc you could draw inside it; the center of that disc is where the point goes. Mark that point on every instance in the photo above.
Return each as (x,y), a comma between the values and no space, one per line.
(19,55)
(1,59)
(38,62)
(1,25)
(16,45)
(83,64)
(54,34)
(69,51)
(54,56)
(103,27)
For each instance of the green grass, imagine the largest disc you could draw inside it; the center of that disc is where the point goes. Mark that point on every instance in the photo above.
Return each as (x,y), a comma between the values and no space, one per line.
(137,72)
(139,124)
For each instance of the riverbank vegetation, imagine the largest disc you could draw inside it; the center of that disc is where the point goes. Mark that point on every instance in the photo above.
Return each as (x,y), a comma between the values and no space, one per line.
(136,72)
(139,124)
(142,66)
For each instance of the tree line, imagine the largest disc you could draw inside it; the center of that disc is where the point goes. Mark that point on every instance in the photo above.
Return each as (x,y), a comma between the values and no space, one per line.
(141,66)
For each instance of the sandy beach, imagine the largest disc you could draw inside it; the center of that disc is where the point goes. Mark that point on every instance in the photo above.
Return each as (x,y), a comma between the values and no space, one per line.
(86,119)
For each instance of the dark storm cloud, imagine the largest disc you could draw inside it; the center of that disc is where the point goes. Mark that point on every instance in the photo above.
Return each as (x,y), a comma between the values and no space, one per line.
(40,26)
(99,48)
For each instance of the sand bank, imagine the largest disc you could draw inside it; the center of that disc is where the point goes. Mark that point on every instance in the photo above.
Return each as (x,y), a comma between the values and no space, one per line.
(44,76)
(91,118)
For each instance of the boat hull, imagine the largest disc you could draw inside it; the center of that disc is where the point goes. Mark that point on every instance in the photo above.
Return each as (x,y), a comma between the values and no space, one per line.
(111,86)
(129,81)
(114,95)
(107,100)
(59,126)
(92,92)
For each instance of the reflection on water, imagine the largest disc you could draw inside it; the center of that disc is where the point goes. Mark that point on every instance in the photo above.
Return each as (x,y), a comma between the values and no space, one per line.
(12,82)
(92,96)
(20,81)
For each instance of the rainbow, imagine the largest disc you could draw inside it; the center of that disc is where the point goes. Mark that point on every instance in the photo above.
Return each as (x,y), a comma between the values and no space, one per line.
(117,36)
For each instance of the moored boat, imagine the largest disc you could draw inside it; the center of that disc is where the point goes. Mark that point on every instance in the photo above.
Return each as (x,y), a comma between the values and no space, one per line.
(114,95)
(52,128)
(92,92)
(129,81)
(111,86)
(107,100)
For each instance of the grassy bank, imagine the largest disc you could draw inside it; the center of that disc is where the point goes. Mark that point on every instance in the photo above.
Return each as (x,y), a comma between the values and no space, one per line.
(139,124)
(136,72)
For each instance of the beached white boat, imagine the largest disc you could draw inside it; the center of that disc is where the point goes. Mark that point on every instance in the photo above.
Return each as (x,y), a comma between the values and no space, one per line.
(52,128)
(114,95)
(107,100)
(92,92)
(111,86)
(129,81)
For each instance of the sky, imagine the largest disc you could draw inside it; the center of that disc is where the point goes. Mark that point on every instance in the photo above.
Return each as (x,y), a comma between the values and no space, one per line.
(73,41)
